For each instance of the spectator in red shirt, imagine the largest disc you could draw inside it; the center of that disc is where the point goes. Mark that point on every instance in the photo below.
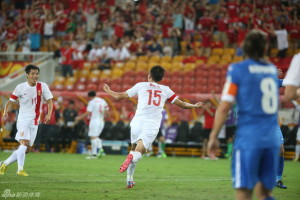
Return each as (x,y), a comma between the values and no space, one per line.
(11,39)
(206,39)
(104,12)
(66,59)
(232,36)
(222,24)
(62,25)
(294,31)
(209,115)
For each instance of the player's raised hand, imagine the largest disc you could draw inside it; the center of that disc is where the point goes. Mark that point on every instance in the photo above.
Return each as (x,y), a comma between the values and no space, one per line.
(199,104)
(106,88)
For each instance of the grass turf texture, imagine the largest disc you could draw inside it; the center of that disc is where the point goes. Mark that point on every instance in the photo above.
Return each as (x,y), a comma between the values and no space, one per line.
(71,176)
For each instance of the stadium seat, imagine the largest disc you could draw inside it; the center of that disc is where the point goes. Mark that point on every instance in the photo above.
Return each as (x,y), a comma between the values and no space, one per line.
(142,58)
(178,58)
(154,59)
(129,66)
(237,59)
(176,66)
(166,59)
(87,65)
(141,66)
(105,74)
(217,52)
(166,65)
(83,74)
(116,73)
(189,66)
(80,87)
(92,86)
(229,51)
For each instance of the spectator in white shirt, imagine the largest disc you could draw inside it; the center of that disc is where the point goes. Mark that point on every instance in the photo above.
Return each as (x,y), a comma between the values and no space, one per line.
(95,53)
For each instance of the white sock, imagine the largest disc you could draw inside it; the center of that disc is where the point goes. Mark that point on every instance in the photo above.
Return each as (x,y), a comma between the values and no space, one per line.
(12,158)
(130,171)
(297,151)
(94,146)
(150,149)
(99,143)
(21,156)
(159,147)
(136,156)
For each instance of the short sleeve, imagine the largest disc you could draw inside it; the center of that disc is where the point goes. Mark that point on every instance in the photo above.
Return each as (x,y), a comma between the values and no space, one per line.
(171,96)
(15,94)
(134,90)
(293,75)
(90,107)
(231,85)
(46,92)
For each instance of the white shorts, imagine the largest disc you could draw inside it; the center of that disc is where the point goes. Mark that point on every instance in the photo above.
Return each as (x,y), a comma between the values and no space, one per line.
(26,131)
(95,128)
(145,131)
(298,134)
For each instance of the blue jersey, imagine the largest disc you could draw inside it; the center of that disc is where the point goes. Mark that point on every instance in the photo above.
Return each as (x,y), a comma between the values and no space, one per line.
(253,85)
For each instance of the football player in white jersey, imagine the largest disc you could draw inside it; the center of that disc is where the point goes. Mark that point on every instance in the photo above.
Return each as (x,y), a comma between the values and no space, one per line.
(97,108)
(292,79)
(146,122)
(30,95)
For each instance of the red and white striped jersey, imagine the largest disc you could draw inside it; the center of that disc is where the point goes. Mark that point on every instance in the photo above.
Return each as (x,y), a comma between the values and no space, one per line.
(151,100)
(30,100)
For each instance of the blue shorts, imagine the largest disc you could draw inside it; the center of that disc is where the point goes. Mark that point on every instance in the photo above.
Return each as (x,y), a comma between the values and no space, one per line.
(279,134)
(254,165)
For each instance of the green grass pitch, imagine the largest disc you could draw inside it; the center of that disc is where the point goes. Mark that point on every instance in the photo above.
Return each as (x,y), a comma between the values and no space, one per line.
(71,176)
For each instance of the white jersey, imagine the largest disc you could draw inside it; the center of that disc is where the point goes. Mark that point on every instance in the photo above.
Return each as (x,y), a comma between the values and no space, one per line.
(151,100)
(293,75)
(30,100)
(97,107)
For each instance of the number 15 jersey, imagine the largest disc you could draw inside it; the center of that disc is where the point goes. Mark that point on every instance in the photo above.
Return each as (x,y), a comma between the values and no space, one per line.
(254,87)
(151,100)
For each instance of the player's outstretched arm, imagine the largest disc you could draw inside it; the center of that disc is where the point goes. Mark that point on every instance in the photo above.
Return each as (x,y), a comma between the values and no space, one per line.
(115,95)
(6,109)
(186,105)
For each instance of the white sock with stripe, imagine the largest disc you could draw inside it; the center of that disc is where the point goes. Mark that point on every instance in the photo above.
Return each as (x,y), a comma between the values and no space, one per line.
(12,158)
(21,156)
(130,170)
(99,143)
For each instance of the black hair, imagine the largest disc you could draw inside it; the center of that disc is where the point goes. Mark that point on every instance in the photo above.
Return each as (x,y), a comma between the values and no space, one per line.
(30,67)
(91,93)
(255,44)
(71,102)
(157,73)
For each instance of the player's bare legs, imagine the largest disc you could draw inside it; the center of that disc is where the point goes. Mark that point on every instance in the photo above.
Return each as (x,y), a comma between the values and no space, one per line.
(262,193)
(243,194)
(94,143)
(18,155)
(131,161)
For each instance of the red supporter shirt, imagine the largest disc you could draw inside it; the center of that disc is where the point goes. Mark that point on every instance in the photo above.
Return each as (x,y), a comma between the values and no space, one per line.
(241,35)
(206,39)
(119,30)
(165,27)
(294,31)
(111,2)
(231,34)
(37,22)
(206,22)
(20,24)
(233,9)
(208,119)
(62,24)
(73,4)
(104,13)
(67,56)
(222,25)
(11,34)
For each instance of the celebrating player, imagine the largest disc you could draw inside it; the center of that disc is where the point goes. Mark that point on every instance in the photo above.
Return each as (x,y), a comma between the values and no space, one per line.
(97,108)
(253,84)
(30,95)
(146,122)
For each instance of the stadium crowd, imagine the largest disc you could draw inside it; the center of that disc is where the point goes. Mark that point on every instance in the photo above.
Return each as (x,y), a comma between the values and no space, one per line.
(112,30)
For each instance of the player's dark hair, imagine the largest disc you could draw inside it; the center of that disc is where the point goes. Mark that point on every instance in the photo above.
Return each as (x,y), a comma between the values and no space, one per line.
(255,43)
(91,93)
(157,73)
(71,102)
(30,67)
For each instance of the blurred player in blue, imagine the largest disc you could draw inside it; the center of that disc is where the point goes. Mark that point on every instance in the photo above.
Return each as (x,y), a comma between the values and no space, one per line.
(279,182)
(252,83)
